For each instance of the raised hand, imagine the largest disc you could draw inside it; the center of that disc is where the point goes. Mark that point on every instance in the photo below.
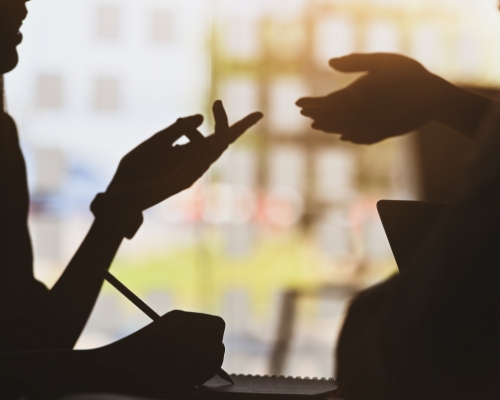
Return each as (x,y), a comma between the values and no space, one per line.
(396,95)
(157,170)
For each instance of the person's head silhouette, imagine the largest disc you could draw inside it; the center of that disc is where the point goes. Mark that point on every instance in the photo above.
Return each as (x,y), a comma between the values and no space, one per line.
(12,15)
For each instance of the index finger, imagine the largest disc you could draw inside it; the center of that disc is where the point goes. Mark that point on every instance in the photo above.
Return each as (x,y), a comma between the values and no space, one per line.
(310,101)
(341,97)
(218,143)
(236,130)
(240,127)
(357,62)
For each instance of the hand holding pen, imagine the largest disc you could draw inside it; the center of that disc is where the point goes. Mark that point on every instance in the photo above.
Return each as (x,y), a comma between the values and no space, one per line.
(148,311)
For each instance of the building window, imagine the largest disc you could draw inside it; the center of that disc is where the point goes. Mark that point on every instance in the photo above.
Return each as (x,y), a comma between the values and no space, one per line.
(334,235)
(106,94)
(382,36)
(49,91)
(244,41)
(469,57)
(240,96)
(162,26)
(50,170)
(283,115)
(334,37)
(287,40)
(427,45)
(287,168)
(238,167)
(335,175)
(108,22)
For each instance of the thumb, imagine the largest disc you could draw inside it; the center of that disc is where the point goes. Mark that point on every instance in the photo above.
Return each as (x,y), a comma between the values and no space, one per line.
(356,62)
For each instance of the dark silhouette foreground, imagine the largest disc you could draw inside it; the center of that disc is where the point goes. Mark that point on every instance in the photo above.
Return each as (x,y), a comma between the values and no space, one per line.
(432,332)
(39,327)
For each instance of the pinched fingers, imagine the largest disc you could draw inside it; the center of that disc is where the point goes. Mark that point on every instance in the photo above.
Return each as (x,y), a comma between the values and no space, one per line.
(194,121)
(195,158)
(170,135)
(155,155)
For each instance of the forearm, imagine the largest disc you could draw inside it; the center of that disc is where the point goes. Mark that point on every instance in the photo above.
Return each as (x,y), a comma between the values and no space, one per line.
(45,374)
(75,293)
(462,110)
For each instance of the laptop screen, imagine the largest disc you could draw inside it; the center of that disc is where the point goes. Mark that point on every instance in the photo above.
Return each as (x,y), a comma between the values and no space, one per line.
(407,224)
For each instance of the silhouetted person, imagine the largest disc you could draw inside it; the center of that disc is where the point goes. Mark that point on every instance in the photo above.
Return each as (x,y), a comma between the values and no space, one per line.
(39,327)
(432,332)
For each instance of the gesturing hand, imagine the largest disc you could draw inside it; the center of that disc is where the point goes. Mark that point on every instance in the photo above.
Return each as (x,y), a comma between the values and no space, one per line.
(156,170)
(396,95)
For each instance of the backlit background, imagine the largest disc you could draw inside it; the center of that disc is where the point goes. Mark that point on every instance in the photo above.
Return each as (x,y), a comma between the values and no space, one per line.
(283,229)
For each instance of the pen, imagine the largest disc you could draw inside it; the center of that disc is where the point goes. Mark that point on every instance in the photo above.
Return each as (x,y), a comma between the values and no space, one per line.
(147,310)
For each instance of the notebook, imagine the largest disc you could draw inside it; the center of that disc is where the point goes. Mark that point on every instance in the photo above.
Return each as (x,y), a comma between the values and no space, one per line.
(249,387)
(246,387)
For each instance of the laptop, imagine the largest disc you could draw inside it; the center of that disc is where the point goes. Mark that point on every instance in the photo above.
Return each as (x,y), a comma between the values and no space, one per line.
(407,224)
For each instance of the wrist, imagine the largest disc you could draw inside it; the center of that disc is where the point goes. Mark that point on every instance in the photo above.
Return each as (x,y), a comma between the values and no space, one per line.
(116,215)
(461,109)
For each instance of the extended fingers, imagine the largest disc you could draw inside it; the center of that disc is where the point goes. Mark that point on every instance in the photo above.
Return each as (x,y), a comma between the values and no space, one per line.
(356,128)
(343,97)
(214,146)
(332,119)
(219,143)
(220,116)
(346,125)
(161,143)
(316,112)
(357,62)
(311,101)
(350,122)
(240,127)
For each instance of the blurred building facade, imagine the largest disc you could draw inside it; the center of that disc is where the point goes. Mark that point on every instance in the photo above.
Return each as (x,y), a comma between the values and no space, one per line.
(286,207)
